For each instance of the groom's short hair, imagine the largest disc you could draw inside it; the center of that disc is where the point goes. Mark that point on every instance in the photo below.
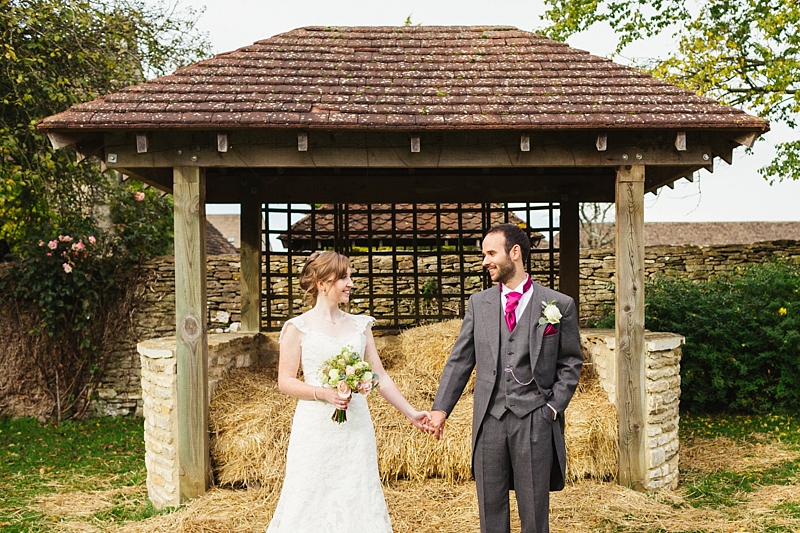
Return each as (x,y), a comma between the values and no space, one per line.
(514,235)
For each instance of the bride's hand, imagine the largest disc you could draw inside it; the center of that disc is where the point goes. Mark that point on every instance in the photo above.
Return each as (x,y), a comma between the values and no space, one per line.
(332,397)
(421,420)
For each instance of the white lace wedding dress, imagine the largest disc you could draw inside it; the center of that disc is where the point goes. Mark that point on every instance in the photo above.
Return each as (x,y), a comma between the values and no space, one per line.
(332,482)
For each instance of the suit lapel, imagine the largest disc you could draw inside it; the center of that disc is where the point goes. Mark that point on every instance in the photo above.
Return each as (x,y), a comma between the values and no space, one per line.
(491,318)
(537,333)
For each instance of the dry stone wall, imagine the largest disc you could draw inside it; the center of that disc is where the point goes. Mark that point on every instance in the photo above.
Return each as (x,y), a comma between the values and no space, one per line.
(662,391)
(159,387)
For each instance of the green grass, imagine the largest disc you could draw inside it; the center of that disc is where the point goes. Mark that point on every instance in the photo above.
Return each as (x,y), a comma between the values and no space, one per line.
(726,488)
(40,459)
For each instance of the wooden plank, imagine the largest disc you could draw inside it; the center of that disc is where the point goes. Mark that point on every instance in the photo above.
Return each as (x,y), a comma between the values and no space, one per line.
(258,149)
(191,335)
(250,231)
(569,250)
(629,277)
(420,187)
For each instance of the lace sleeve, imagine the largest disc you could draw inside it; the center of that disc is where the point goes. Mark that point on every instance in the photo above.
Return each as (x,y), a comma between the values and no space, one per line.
(298,322)
(364,322)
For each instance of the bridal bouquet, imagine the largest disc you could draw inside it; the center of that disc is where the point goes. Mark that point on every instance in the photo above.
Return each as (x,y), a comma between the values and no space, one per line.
(347,372)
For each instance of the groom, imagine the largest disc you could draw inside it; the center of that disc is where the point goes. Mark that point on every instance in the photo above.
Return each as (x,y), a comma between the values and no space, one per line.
(523,338)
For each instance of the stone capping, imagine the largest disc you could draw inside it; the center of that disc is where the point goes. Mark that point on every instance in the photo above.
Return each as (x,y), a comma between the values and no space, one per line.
(662,391)
(160,399)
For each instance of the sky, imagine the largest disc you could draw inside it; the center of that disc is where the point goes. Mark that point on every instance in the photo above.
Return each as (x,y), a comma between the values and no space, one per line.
(730,193)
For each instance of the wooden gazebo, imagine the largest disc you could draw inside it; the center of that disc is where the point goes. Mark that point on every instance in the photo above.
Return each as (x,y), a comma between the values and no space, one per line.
(403,114)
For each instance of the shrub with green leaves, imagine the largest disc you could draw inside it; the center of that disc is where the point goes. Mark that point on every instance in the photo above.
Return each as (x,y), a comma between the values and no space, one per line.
(742,332)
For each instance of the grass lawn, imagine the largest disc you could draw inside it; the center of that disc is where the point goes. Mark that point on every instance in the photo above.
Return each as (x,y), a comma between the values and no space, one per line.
(738,474)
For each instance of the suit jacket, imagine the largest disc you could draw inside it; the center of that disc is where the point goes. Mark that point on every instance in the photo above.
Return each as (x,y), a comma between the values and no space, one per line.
(556,362)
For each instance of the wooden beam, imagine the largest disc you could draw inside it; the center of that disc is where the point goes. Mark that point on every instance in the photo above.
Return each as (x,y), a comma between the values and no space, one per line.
(569,250)
(629,277)
(262,149)
(250,232)
(191,316)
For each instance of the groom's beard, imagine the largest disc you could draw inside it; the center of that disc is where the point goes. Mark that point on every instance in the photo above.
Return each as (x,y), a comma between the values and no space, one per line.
(506,270)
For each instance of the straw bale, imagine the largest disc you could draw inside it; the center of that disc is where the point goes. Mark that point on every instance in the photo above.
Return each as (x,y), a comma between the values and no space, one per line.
(427,347)
(591,432)
(250,421)
(390,350)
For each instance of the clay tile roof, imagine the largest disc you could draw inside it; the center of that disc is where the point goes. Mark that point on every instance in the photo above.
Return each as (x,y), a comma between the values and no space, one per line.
(405,78)
(216,244)
(377,225)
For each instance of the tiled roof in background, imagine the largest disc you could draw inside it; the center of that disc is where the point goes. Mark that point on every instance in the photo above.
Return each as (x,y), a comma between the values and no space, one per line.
(379,224)
(403,78)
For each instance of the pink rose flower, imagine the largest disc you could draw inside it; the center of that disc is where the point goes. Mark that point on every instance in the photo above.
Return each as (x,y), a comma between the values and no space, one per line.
(49,254)
(65,238)
(138,196)
(52,244)
(92,240)
(67,268)
(365,388)
(41,243)
(349,370)
(343,389)
(78,246)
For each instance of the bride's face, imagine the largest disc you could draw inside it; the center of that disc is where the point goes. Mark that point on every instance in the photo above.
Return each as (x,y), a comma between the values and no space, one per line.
(338,290)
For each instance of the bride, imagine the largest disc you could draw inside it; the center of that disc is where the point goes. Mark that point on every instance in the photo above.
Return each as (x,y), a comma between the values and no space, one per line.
(332,482)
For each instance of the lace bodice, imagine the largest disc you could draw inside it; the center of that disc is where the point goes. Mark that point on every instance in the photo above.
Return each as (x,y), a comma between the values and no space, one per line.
(318,347)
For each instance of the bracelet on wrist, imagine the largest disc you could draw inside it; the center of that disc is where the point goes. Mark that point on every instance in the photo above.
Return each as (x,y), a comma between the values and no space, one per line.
(315,394)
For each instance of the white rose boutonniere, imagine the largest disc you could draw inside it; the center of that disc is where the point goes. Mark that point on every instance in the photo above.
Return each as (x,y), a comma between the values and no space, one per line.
(550,313)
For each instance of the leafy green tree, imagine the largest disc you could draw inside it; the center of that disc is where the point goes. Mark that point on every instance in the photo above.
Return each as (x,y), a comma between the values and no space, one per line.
(744,53)
(56,53)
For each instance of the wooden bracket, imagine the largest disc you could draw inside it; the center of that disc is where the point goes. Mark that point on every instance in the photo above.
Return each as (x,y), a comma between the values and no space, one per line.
(222,142)
(415,144)
(680,141)
(525,143)
(602,142)
(142,143)
(302,142)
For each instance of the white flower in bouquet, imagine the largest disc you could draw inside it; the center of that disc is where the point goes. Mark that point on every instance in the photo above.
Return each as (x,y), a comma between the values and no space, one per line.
(347,372)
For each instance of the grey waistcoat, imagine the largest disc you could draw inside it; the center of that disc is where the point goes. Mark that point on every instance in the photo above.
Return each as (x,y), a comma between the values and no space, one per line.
(515,354)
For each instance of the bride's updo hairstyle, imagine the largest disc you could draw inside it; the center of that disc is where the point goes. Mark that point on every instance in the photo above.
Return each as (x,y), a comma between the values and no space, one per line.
(322,266)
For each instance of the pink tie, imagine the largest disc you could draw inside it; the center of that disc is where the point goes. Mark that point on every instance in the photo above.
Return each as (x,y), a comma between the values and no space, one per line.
(512,301)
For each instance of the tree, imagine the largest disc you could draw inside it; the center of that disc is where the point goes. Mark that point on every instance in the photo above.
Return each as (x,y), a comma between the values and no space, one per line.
(56,53)
(73,230)
(745,53)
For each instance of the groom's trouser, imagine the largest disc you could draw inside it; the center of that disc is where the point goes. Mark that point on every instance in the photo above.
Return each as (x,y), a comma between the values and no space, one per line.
(518,450)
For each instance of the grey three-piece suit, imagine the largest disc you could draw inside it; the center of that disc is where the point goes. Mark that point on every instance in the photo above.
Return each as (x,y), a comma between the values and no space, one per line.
(516,444)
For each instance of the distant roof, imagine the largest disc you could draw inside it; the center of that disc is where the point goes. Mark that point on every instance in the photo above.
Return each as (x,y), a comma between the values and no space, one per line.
(228,225)
(409,77)
(718,233)
(431,224)
(216,244)
(708,233)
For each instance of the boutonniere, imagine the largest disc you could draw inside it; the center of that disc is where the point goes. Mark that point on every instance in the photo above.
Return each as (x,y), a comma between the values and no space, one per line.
(550,313)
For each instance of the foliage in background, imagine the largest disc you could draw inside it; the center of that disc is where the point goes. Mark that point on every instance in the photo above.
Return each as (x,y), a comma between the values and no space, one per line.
(76,232)
(744,53)
(56,53)
(742,331)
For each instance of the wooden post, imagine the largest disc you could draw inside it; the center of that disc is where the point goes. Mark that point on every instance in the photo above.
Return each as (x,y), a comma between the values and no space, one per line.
(569,251)
(250,252)
(189,190)
(631,403)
